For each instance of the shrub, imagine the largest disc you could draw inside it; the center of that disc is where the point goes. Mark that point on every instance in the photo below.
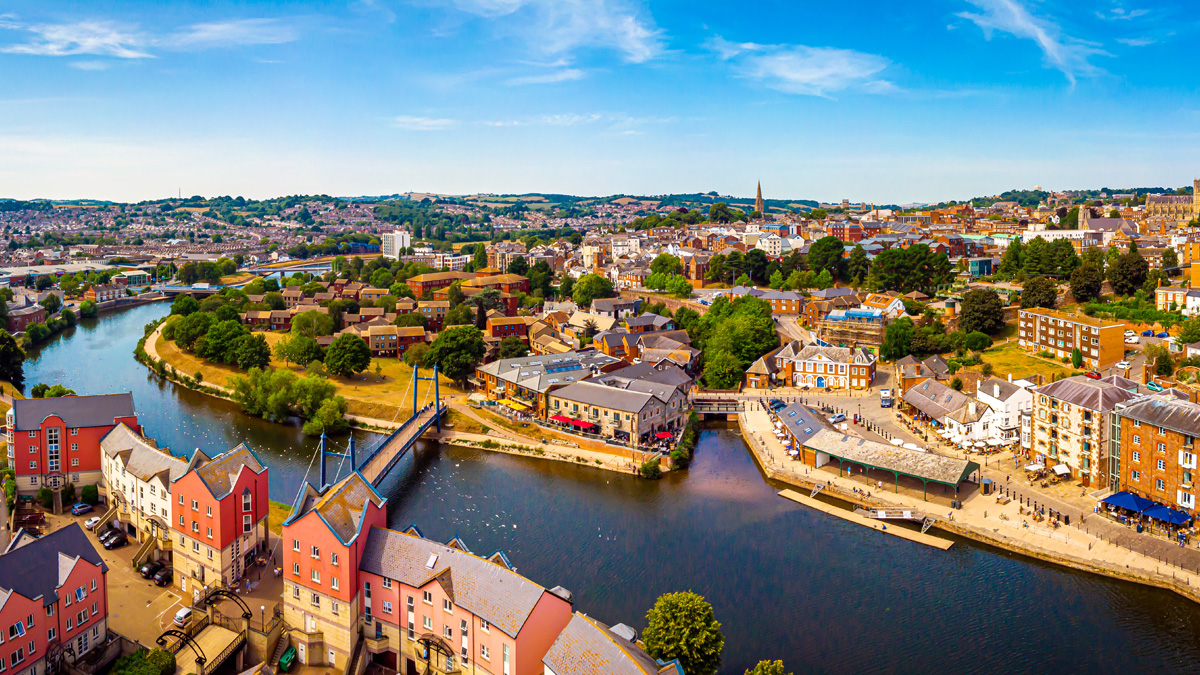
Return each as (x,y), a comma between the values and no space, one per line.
(163,660)
(68,494)
(650,469)
(89,494)
(45,497)
(987,369)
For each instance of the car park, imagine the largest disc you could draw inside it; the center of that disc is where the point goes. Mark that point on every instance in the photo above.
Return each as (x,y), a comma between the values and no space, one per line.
(1124,365)
(151,568)
(182,617)
(91,522)
(81,508)
(162,577)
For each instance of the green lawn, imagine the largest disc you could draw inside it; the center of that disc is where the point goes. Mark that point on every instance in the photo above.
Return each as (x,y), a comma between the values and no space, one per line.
(1009,359)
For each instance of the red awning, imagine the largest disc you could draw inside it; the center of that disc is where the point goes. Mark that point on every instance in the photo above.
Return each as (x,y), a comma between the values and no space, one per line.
(581,424)
(664,434)
(561,419)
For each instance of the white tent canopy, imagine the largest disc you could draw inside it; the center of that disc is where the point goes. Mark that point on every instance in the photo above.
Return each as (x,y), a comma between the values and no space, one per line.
(1062,469)
(897,441)
(1035,467)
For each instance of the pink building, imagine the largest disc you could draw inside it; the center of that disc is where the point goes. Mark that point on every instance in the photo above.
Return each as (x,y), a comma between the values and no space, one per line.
(53,441)
(54,596)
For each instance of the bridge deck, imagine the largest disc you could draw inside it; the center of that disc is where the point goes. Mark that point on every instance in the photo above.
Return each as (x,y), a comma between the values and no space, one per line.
(382,459)
(214,641)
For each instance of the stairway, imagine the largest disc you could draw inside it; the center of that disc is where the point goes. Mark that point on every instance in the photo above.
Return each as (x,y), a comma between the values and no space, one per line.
(144,551)
(280,647)
(104,519)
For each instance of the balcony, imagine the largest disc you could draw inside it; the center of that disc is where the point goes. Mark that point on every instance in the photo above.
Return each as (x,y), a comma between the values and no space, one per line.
(377,644)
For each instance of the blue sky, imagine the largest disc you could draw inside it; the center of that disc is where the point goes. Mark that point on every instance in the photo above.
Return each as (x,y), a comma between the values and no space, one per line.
(876,101)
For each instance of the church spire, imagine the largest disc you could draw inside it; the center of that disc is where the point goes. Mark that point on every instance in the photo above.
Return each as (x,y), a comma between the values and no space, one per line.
(758,201)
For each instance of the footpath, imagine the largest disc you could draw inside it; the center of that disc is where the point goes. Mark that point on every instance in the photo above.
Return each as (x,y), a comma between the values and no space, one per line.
(1091,543)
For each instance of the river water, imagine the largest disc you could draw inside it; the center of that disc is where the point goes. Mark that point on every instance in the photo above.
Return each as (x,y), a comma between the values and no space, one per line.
(824,595)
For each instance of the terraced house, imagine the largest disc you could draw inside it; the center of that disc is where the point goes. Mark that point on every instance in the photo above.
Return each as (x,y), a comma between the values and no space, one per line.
(1070,425)
(527,380)
(1101,342)
(822,367)
(1154,449)
(219,518)
(633,413)
(137,480)
(53,441)
(53,596)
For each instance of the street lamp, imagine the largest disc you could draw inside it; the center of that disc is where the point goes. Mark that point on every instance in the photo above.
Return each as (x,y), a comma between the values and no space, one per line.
(262,618)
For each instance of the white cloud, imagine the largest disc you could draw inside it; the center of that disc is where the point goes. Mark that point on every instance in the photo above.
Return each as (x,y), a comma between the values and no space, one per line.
(1121,14)
(1136,42)
(233,33)
(560,75)
(98,38)
(411,123)
(1063,53)
(811,71)
(89,65)
(564,26)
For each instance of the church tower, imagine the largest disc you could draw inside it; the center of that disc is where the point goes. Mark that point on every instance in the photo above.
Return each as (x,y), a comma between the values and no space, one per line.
(760,207)
(1196,198)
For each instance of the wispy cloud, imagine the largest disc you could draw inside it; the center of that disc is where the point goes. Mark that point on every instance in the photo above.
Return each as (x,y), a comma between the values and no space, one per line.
(1119,13)
(125,41)
(564,26)
(232,33)
(1136,42)
(613,121)
(412,123)
(553,77)
(90,65)
(800,69)
(97,38)
(1068,55)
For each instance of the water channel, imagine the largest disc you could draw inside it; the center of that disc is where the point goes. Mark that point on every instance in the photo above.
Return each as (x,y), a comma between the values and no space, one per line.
(824,595)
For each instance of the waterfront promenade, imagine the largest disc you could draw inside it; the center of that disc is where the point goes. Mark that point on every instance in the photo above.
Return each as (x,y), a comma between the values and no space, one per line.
(1096,544)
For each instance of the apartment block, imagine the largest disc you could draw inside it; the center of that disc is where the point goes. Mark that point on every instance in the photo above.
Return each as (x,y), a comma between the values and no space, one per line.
(53,441)
(137,478)
(1101,342)
(1154,450)
(1070,425)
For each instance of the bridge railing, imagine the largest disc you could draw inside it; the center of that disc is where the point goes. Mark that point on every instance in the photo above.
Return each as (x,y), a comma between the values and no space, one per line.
(392,436)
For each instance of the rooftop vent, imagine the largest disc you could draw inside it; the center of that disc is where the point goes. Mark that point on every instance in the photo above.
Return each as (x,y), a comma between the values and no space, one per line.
(625,632)
(432,561)
(563,593)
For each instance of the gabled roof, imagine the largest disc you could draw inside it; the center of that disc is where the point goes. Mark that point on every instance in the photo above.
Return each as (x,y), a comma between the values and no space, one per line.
(75,411)
(1164,410)
(221,472)
(141,458)
(341,507)
(488,590)
(38,567)
(588,647)
(1088,393)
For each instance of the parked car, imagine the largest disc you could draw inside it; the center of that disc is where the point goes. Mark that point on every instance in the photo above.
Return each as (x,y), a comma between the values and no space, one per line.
(837,418)
(151,568)
(1147,333)
(183,617)
(108,534)
(91,522)
(1154,386)
(1124,365)
(80,508)
(1093,375)
(1132,341)
(1130,333)
(116,542)
(1164,334)
(162,577)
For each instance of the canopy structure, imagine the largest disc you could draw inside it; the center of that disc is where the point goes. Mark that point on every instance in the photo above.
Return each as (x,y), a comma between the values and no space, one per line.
(911,446)
(1035,467)
(514,404)
(663,434)
(561,419)
(1128,501)
(995,442)
(582,424)
(1167,515)
(1062,469)
(897,442)
(980,444)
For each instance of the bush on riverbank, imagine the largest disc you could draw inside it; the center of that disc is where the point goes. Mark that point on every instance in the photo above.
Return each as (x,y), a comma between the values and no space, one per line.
(650,469)
(683,453)
(37,333)
(277,394)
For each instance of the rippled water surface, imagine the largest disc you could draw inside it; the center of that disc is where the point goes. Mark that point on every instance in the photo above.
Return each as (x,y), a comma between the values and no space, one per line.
(822,594)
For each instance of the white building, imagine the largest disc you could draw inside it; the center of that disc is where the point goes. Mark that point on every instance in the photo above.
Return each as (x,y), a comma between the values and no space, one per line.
(770,244)
(137,480)
(393,242)
(1008,401)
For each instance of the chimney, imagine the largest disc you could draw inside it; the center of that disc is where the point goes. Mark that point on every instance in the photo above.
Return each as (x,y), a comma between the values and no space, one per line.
(1010,377)
(971,407)
(998,389)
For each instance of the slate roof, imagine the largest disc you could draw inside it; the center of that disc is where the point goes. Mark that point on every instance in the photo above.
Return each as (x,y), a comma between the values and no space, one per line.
(140,457)
(935,399)
(1091,394)
(1006,388)
(647,320)
(668,375)
(75,411)
(28,570)
(488,590)
(341,507)
(221,471)
(540,372)
(803,422)
(605,397)
(1166,411)
(947,470)
(588,647)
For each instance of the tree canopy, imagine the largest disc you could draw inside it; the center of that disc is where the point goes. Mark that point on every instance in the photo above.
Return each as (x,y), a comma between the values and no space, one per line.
(682,626)
(347,355)
(456,352)
(981,311)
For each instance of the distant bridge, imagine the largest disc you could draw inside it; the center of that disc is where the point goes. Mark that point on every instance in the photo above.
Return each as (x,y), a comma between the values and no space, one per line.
(287,270)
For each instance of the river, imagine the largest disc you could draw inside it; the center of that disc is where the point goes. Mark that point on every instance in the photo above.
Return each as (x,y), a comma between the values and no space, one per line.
(824,595)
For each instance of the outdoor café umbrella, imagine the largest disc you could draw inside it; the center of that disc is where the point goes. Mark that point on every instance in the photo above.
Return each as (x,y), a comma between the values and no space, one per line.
(912,446)
(897,441)
(980,444)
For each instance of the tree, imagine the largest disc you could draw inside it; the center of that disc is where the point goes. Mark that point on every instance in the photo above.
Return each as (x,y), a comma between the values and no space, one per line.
(382,278)
(826,254)
(462,315)
(275,301)
(41,390)
(184,305)
(1039,292)
(312,324)
(89,494)
(411,319)
(977,341)
(1086,282)
(776,281)
(1170,259)
(45,495)
(589,287)
(1189,331)
(455,294)
(348,355)
(1011,263)
(723,370)
(513,347)
(252,351)
(415,354)
(981,311)
(896,339)
(767,668)
(519,266)
(43,282)
(298,349)
(221,341)
(479,261)
(665,263)
(566,289)
(89,308)
(456,352)
(189,329)
(1129,273)
(1076,357)
(52,303)
(857,265)
(329,418)
(682,626)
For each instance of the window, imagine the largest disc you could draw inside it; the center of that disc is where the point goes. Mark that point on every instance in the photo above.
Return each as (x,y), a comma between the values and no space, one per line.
(93,584)
(70,623)
(1137,423)
(195,547)
(247,525)
(447,606)
(210,553)
(296,569)
(209,533)
(1162,447)
(195,527)
(195,505)
(19,655)
(448,632)
(485,626)
(333,560)
(74,461)
(32,434)
(52,634)
(484,653)
(208,511)
(427,597)
(334,606)
(316,600)
(428,623)
(246,501)
(296,592)
(295,544)
(1137,456)
(387,607)
(316,576)
(315,553)
(1160,484)
(333,582)
(1162,466)
(181,523)
(181,500)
